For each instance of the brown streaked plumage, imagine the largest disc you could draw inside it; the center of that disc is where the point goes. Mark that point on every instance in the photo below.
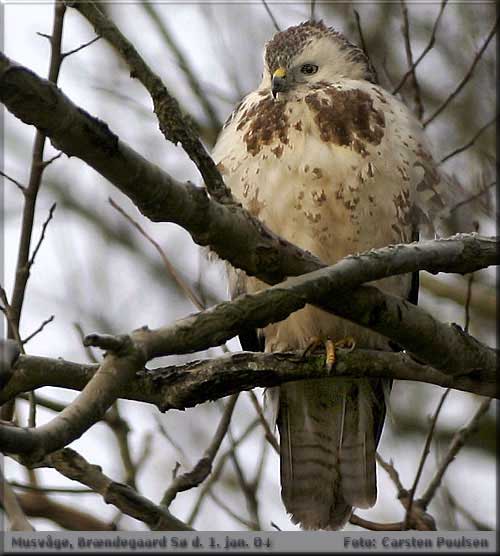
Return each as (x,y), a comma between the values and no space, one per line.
(338,166)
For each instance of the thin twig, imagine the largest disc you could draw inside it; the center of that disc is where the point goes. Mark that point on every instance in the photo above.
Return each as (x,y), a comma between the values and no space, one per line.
(471,142)
(203,467)
(164,432)
(466,78)
(31,193)
(121,430)
(391,471)
(190,293)
(260,467)
(7,311)
(360,32)
(81,47)
(49,161)
(183,63)
(51,490)
(245,522)
(218,470)
(430,44)
(473,197)
(21,187)
(72,465)
(38,330)
(246,488)
(409,56)
(42,235)
(423,458)
(476,523)
(267,429)
(175,127)
(458,441)
(88,350)
(270,14)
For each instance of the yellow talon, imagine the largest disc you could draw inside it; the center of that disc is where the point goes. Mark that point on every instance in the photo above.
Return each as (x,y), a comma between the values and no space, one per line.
(347,343)
(330,357)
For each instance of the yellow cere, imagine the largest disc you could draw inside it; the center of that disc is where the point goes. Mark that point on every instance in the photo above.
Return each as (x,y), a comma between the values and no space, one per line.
(280,72)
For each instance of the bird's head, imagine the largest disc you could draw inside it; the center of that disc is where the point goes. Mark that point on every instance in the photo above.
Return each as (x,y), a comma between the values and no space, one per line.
(311,53)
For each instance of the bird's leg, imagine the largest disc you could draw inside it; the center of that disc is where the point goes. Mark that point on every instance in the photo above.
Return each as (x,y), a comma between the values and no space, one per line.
(330,348)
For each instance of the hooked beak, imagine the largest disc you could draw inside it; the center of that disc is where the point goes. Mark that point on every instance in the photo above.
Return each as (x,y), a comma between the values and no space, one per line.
(278,82)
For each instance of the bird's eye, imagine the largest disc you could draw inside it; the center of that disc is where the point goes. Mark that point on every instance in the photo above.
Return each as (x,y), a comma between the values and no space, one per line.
(309,69)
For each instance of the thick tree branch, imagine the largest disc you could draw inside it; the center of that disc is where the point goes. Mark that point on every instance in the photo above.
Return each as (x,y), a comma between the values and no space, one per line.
(156,194)
(72,465)
(182,386)
(88,408)
(35,504)
(443,346)
(12,507)
(174,126)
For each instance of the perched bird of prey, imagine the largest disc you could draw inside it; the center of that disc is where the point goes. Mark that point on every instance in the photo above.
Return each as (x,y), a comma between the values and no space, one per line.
(335,164)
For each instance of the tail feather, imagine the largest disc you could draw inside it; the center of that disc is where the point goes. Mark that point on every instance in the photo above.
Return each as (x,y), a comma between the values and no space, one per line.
(327,450)
(357,449)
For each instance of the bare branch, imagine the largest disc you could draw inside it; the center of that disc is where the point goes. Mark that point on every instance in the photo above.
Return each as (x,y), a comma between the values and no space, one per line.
(42,235)
(472,197)
(194,84)
(372,526)
(154,192)
(174,126)
(409,56)
(206,488)
(21,187)
(471,142)
(440,345)
(38,330)
(72,465)
(246,487)
(415,515)
(423,458)
(484,304)
(36,171)
(203,468)
(48,162)
(190,293)
(393,474)
(456,444)
(271,16)
(36,504)
(81,47)
(51,490)
(360,32)
(466,78)
(267,429)
(183,386)
(10,503)
(411,70)
(88,408)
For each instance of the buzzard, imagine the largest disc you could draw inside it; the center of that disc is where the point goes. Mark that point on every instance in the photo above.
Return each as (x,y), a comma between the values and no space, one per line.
(332,162)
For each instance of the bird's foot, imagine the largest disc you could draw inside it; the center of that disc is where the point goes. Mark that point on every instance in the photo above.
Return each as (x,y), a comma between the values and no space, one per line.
(330,348)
